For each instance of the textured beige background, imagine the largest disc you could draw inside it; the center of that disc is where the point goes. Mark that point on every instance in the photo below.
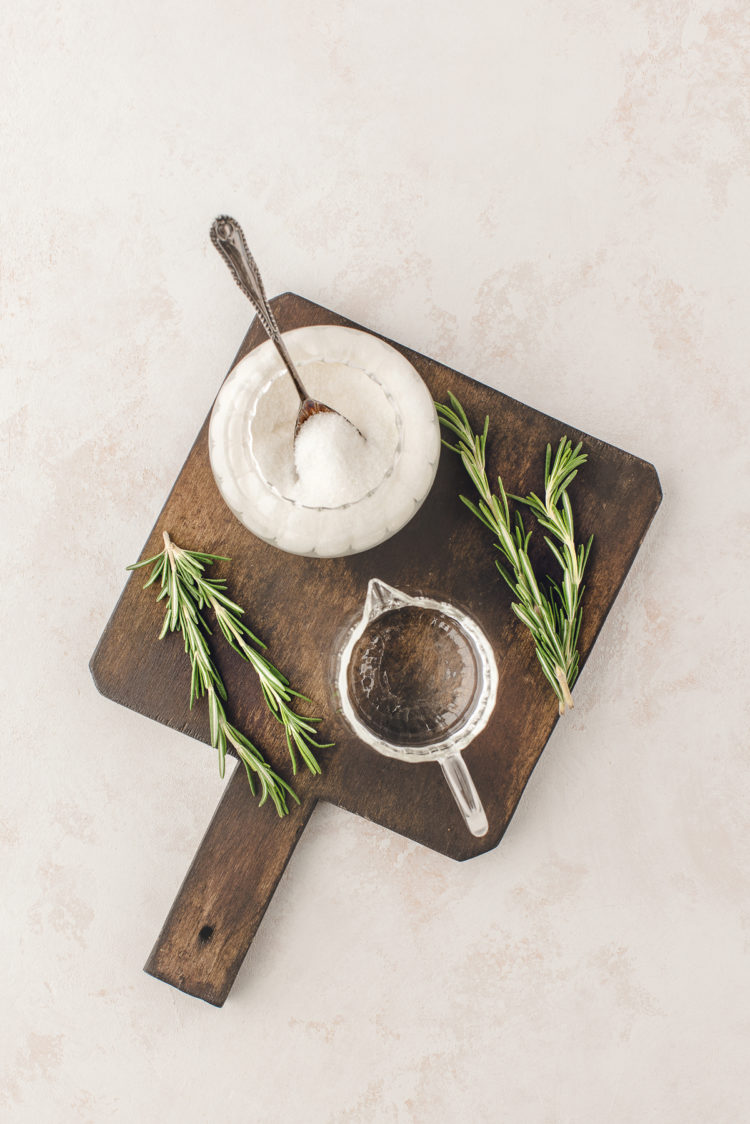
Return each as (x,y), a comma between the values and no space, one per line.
(551,195)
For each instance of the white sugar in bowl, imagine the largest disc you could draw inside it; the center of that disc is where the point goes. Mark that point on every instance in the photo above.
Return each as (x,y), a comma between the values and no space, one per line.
(337,499)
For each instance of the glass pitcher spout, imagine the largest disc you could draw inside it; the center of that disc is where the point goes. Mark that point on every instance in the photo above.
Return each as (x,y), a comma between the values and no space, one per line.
(382,597)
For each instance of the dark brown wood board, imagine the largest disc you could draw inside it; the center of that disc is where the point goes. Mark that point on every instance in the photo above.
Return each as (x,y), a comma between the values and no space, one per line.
(299,607)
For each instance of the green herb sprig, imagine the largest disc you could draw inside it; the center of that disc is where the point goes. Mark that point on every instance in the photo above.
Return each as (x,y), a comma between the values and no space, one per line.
(553,615)
(181,575)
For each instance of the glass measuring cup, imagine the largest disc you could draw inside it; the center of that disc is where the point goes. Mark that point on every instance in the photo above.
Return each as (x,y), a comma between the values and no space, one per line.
(417,680)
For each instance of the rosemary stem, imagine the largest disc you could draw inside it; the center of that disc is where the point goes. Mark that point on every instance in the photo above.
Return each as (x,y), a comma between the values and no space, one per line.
(566,703)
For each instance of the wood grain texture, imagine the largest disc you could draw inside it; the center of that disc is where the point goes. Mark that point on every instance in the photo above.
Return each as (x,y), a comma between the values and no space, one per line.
(300,607)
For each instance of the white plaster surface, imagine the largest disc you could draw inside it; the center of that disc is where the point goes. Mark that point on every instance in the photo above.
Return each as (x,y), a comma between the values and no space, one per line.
(551,195)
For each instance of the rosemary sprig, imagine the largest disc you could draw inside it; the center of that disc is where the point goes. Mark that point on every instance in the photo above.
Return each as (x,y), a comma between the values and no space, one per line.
(181,574)
(553,617)
(278,694)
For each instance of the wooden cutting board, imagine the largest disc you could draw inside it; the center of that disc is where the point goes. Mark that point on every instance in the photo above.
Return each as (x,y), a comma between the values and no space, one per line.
(299,606)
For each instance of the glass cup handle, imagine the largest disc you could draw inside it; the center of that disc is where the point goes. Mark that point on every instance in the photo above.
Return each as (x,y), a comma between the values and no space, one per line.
(465,794)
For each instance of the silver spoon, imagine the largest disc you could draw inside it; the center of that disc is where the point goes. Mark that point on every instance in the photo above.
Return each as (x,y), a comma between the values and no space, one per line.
(228,238)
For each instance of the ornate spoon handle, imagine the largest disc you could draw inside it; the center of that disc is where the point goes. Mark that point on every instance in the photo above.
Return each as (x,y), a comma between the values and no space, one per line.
(229,239)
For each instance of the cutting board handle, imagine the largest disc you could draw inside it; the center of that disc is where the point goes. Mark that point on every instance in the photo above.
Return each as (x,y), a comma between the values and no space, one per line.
(226,891)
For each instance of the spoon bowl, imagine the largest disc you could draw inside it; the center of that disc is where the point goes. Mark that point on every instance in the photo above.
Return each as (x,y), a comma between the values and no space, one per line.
(309,407)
